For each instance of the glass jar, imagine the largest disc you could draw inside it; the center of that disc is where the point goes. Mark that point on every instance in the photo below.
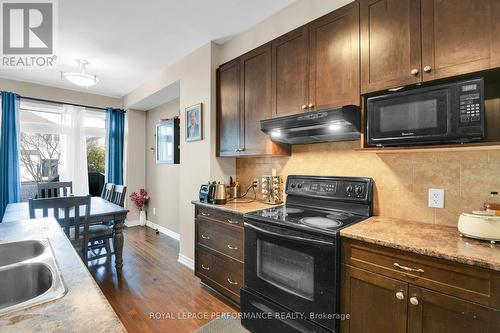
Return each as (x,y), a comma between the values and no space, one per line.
(493,203)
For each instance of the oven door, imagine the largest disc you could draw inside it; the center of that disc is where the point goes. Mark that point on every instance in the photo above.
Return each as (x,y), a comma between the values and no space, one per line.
(409,118)
(294,269)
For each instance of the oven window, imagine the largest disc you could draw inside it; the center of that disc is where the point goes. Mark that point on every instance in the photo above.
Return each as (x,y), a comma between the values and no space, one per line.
(287,269)
(409,116)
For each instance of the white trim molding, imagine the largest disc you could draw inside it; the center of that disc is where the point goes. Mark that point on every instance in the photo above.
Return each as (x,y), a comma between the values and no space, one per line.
(186,261)
(132,223)
(163,230)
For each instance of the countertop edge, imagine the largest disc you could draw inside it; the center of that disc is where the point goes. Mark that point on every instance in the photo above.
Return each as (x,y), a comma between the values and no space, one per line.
(435,253)
(234,210)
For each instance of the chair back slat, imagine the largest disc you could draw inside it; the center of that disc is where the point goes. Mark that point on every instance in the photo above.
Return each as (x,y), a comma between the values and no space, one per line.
(54,189)
(119,194)
(72,219)
(107,191)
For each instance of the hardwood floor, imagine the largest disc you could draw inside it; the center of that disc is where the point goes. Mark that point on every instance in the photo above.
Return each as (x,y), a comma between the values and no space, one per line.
(155,293)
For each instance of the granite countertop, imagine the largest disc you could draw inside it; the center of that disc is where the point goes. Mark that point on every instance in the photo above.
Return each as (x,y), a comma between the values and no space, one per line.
(83,309)
(428,239)
(240,207)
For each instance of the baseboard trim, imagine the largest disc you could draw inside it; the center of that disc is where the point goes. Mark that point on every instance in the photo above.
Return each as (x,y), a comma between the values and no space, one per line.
(163,230)
(186,261)
(132,223)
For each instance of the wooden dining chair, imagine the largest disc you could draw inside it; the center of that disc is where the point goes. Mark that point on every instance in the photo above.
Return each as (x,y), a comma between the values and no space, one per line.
(119,193)
(68,211)
(104,239)
(107,191)
(54,189)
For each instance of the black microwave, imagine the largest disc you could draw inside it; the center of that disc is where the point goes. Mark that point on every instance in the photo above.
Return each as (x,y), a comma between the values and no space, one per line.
(445,113)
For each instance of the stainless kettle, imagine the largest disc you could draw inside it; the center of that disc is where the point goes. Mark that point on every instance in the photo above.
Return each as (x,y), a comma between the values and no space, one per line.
(220,194)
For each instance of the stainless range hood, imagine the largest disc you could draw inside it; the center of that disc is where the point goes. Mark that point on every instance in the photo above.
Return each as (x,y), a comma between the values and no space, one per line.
(339,124)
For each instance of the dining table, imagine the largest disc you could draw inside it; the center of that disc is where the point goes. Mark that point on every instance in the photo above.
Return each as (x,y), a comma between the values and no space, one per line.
(100,211)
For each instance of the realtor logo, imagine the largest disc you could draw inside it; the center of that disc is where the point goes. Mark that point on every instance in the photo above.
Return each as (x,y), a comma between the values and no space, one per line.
(28,33)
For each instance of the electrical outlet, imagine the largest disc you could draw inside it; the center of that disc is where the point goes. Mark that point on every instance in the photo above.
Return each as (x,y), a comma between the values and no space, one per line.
(154,211)
(436,198)
(255,182)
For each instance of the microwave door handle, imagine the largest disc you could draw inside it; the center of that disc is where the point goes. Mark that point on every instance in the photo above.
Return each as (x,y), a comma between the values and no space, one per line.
(290,237)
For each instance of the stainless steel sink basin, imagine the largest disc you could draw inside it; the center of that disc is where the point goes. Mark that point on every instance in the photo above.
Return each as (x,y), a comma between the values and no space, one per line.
(14,252)
(23,282)
(29,277)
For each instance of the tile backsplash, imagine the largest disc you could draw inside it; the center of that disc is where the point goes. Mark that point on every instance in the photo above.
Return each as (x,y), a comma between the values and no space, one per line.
(401,180)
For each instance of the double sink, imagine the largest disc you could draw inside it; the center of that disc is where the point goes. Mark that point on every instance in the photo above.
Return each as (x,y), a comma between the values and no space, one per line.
(29,275)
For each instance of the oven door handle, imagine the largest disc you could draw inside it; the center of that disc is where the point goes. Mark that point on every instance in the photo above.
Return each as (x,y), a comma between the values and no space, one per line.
(294,238)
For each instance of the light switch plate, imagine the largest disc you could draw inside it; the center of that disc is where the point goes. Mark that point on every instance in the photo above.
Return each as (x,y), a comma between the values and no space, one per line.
(436,198)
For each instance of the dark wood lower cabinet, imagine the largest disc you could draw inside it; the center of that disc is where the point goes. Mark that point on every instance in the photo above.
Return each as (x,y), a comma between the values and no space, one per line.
(380,297)
(433,312)
(372,302)
(219,251)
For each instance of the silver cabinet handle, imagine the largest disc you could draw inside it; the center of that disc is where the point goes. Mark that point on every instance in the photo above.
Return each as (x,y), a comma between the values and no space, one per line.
(237,150)
(408,269)
(427,69)
(400,295)
(414,71)
(204,214)
(310,105)
(205,237)
(414,300)
(304,107)
(231,281)
(229,246)
(207,268)
(231,221)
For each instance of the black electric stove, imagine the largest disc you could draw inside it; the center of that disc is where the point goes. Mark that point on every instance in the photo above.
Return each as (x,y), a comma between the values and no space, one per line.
(292,254)
(307,219)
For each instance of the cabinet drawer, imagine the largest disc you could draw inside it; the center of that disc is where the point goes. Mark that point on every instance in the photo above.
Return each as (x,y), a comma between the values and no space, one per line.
(468,282)
(225,274)
(232,219)
(214,235)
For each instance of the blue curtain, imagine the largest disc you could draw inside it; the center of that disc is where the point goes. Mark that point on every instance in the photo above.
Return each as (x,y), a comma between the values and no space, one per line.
(115,122)
(10,180)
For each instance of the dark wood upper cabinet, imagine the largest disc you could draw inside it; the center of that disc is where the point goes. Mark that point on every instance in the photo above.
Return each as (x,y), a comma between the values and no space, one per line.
(390,43)
(430,311)
(459,36)
(334,58)
(290,72)
(228,108)
(375,303)
(244,91)
(256,103)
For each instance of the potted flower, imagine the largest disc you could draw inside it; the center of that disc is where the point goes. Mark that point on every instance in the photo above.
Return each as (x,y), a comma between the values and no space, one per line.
(140,200)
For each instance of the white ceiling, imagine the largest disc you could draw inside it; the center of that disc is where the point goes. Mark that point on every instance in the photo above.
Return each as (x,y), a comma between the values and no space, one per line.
(127,42)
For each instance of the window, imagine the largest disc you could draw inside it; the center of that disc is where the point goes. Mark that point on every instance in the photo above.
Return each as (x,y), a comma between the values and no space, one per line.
(95,130)
(40,149)
(40,144)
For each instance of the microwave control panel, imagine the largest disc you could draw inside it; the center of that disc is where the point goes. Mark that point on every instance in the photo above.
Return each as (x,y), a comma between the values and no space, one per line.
(470,104)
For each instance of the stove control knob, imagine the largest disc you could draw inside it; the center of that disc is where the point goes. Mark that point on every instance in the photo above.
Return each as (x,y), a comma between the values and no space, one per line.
(349,189)
(299,185)
(292,185)
(359,190)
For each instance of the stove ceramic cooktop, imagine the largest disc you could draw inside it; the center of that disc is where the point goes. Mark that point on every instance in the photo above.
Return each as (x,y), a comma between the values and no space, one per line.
(329,221)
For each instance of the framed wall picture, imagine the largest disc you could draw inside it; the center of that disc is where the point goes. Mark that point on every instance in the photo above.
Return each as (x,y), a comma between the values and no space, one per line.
(193,122)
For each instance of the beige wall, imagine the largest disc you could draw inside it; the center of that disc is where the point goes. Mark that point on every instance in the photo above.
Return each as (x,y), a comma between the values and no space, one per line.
(197,76)
(291,17)
(58,94)
(196,73)
(135,157)
(162,180)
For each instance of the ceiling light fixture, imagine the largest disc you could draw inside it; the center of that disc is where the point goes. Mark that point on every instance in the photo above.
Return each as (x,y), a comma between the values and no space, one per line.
(82,79)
